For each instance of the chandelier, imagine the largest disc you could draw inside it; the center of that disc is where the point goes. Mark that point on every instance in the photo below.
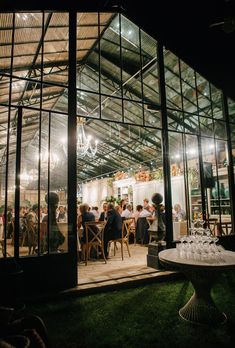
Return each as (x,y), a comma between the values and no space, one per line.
(84,146)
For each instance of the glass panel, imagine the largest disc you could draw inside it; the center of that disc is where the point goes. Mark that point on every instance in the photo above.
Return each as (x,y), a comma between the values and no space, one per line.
(206,126)
(55,49)
(216,182)
(11,185)
(6,20)
(21,91)
(203,95)
(149,68)
(133,112)
(209,170)
(88,77)
(110,60)
(172,79)
(131,61)
(220,130)
(217,105)
(27,41)
(3,142)
(152,116)
(231,109)
(29,208)
(53,98)
(191,123)
(188,88)
(58,231)
(88,104)
(175,120)
(177,185)
(88,51)
(111,108)
(4,90)
(193,177)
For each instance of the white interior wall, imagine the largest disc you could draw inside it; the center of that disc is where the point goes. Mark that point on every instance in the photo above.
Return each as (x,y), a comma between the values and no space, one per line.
(95,192)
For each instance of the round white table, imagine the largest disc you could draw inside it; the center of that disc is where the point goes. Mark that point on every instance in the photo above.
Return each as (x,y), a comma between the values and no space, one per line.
(201,308)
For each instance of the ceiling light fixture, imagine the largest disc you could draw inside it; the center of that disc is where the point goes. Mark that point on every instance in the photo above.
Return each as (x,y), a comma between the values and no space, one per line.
(84,146)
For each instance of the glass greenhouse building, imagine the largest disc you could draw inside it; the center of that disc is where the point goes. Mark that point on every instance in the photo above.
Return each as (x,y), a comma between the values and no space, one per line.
(92,107)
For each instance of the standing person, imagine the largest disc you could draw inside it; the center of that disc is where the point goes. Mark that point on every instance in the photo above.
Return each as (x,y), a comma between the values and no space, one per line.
(32,228)
(56,238)
(113,227)
(146,204)
(139,209)
(123,204)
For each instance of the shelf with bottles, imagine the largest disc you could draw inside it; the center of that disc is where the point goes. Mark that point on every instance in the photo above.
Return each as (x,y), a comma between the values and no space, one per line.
(221,209)
(219,196)
(196,202)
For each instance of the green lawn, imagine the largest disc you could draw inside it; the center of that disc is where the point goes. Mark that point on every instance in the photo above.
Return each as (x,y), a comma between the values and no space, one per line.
(146,316)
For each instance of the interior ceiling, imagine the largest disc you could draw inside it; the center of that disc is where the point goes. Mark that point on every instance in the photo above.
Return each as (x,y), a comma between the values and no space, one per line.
(120,146)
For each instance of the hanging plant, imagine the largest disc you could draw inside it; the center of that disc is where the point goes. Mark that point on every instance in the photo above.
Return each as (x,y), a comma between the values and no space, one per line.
(110,182)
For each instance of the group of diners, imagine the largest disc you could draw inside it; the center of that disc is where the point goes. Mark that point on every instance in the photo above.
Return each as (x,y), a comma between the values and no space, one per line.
(114,216)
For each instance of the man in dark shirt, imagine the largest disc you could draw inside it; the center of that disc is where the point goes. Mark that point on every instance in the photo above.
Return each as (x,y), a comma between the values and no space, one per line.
(113,227)
(103,215)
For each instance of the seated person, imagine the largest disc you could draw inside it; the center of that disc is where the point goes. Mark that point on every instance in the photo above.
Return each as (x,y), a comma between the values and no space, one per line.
(103,215)
(113,227)
(95,211)
(179,213)
(84,217)
(127,213)
(62,216)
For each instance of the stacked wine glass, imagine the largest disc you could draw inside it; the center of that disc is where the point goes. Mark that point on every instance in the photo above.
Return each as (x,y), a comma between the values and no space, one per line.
(200,244)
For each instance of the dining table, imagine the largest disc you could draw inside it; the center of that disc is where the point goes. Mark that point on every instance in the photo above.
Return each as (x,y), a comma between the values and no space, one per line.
(201,308)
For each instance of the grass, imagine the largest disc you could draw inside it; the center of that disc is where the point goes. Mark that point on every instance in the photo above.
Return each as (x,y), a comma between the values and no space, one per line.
(146,316)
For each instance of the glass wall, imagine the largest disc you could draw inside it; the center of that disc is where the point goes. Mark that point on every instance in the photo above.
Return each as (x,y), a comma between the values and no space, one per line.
(195,111)
(118,104)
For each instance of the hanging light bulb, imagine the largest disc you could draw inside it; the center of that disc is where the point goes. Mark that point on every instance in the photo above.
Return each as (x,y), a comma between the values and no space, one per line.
(84,146)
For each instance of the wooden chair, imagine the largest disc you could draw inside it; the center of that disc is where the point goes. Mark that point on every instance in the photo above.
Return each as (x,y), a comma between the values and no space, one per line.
(212,224)
(142,227)
(126,230)
(224,228)
(94,238)
(133,229)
